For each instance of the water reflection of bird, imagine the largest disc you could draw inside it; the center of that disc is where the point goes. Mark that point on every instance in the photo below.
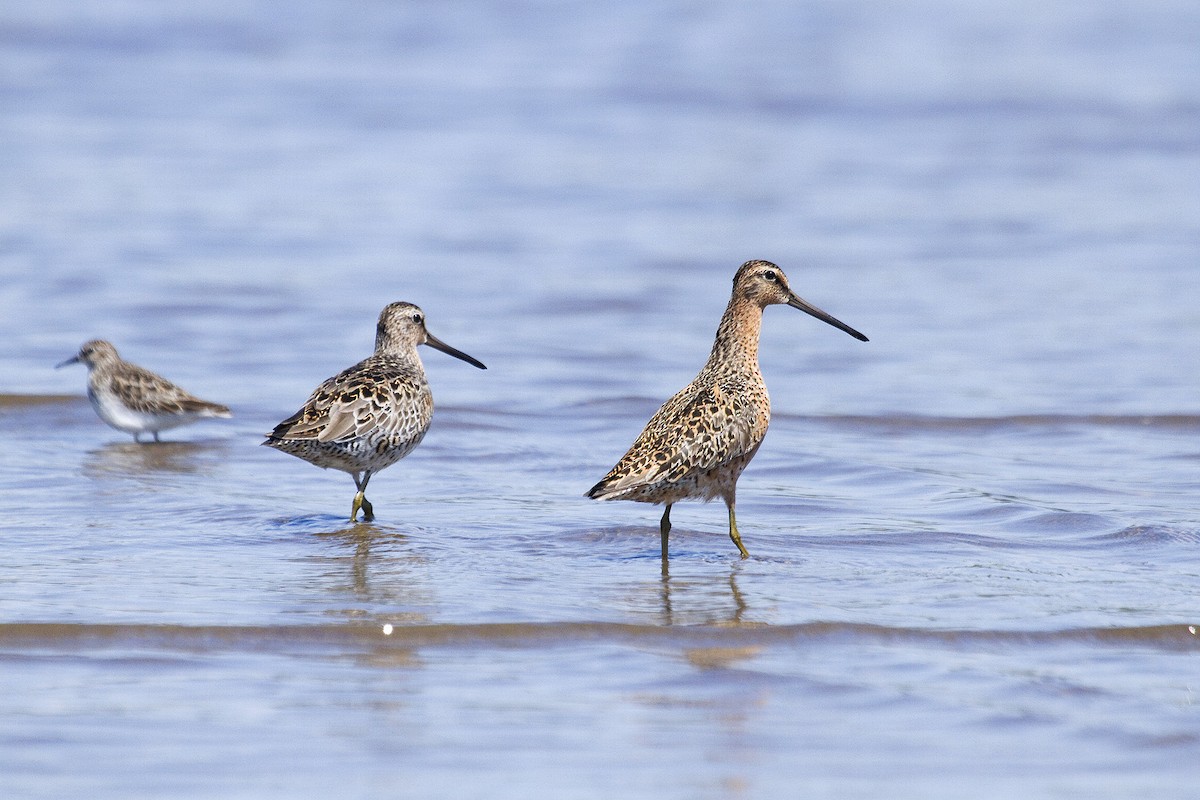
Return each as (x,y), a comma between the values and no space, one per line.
(698,443)
(130,460)
(135,400)
(373,414)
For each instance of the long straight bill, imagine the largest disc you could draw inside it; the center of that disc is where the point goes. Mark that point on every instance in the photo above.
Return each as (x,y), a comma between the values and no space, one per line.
(438,344)
(809,308)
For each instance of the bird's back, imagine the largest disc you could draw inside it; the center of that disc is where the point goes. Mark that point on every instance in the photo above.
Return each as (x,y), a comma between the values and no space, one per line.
(142,391)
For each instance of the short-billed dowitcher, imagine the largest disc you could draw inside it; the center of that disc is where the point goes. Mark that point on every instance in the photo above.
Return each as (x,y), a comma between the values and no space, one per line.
(135,400)
(698,443)
(373,414)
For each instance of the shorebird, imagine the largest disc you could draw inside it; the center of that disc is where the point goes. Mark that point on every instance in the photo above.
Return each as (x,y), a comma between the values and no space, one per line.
(135,400)
(373,414)
(698,443)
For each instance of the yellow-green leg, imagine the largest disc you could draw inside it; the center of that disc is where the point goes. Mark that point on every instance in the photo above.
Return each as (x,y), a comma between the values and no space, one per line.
(733,533)
(360,499)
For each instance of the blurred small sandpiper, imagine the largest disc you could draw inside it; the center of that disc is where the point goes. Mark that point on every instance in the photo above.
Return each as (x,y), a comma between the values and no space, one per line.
(135,400)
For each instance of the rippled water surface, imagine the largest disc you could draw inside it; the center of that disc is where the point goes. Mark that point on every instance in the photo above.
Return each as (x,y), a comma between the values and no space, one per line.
(974,539)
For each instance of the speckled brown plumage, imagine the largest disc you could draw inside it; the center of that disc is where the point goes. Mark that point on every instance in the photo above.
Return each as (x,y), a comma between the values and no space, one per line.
(373,414)
(135,400)
(698,443)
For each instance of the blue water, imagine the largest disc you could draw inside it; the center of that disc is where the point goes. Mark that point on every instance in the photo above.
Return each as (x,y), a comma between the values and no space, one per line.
(974,539)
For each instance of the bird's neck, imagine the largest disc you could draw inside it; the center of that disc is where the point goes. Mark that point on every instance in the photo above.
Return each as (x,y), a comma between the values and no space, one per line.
(737,335)
(399,357)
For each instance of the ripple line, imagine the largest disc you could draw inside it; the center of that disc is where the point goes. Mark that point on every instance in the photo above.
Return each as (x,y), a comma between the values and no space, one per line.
(25,638)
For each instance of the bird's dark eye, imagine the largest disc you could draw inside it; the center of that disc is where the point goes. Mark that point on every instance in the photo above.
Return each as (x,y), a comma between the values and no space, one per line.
(416,318)
(770,275)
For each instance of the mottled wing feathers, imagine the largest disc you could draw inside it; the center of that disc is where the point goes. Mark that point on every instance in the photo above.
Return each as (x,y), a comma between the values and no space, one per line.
(695,431)
(360,402)
(347,421)
(311,419)
(141,390)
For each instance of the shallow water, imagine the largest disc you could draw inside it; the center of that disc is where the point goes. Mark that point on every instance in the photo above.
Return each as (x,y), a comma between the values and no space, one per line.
(974,539)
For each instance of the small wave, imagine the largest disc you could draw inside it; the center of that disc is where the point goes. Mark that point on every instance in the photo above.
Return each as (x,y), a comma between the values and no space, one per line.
(17,638)
(24,400)
(305,521)
(1148,535)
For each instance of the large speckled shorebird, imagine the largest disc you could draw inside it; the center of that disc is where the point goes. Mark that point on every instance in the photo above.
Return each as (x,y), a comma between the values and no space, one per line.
(698,443)
(135,400)
(373,414)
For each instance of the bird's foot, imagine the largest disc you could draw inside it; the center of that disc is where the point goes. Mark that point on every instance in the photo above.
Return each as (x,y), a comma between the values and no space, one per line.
(735,536)
(737,540)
